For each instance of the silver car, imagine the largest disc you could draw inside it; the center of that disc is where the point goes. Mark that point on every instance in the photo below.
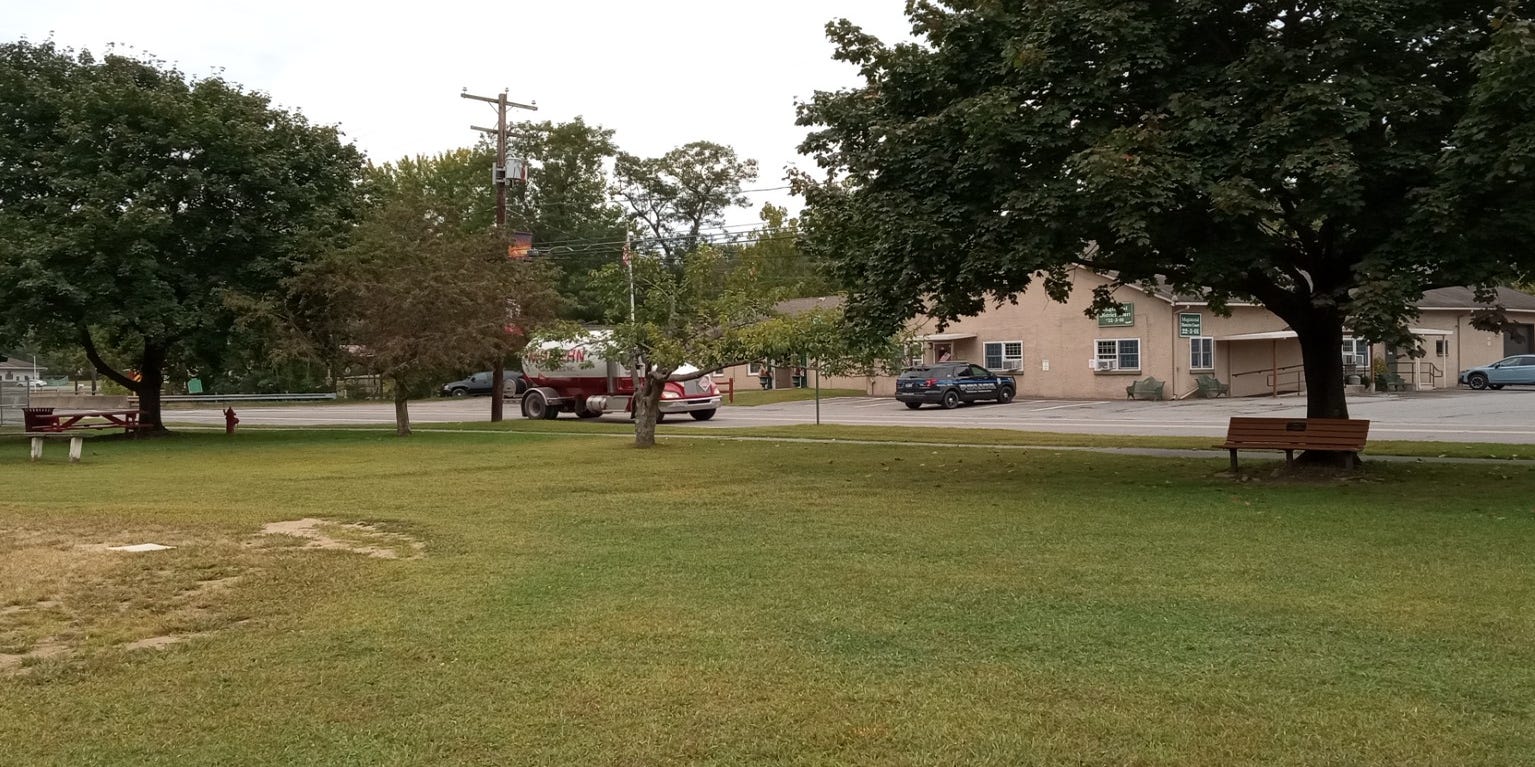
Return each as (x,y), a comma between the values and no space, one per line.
(1516,370)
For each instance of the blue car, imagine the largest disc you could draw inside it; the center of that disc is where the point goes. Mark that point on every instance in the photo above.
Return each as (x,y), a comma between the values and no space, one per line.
(1516,370)
(947,384)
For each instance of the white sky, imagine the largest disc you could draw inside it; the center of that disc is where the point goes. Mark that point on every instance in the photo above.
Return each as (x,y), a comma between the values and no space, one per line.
(661,73)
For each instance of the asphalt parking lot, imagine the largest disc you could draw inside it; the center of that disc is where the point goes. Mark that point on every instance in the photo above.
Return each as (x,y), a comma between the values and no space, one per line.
(1455,415)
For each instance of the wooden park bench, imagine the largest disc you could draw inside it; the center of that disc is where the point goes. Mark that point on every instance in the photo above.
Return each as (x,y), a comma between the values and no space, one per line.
(1345,435)
(1150,388)
(1210,386)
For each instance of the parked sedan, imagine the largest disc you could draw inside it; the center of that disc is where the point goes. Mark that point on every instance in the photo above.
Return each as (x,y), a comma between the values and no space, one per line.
(479,383)
(1517,370)
(947,384)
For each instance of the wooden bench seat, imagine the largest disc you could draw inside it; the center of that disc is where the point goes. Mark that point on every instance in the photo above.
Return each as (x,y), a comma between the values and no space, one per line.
(1344,435)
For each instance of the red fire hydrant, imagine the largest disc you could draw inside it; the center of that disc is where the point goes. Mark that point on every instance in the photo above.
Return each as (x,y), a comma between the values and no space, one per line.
(230,420)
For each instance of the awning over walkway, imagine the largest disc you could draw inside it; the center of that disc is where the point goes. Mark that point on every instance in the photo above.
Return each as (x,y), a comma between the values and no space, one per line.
(1272,335)
(1280,335)
(945,337)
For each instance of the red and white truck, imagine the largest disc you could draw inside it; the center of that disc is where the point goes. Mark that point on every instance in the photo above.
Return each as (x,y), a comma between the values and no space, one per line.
(577,378)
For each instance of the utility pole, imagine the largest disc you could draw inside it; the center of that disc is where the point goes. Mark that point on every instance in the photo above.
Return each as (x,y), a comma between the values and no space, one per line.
(500,177)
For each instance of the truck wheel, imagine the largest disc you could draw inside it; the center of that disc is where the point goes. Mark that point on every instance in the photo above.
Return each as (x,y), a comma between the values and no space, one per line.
(460,392)
(582,411)
(702,415)
(950,400)
(660,417)
(1005,395)
(534,406)
(913,405)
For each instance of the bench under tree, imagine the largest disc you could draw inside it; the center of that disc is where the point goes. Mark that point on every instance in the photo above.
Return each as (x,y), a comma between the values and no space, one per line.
(1337,435)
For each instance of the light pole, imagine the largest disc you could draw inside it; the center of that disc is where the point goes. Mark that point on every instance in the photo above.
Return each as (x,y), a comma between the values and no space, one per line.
(500,177)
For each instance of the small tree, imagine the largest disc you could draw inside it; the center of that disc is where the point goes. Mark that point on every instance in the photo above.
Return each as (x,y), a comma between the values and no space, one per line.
(415,296)
(694,310)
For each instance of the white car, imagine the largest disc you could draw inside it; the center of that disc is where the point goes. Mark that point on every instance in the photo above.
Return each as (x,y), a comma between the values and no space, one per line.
(37,383)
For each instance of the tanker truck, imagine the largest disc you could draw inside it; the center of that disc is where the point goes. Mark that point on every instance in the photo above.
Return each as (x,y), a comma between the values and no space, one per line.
(576,377)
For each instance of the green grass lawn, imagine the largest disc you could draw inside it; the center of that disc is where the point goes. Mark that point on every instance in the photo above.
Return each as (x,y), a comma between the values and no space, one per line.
(580,602)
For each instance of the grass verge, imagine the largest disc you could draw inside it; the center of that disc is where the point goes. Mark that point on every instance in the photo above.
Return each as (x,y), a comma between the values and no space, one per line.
(576,601)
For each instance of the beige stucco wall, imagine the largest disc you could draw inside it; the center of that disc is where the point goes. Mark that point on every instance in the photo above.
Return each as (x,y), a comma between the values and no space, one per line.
(1059,344)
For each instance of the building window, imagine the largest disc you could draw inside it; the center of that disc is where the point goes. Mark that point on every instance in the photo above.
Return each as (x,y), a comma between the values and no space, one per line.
(1441,347)
(1004,355)
(1118,354)
(754,368)
(914,354)
(1356,354)
(1201,353)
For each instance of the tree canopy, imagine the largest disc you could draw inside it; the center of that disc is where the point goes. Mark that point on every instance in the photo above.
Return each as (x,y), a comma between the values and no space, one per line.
(135,202)
(1331,161)
(674,197)
(420,291)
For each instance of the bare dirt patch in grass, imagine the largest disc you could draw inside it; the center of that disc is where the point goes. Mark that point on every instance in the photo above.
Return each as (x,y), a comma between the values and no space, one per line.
(65,595)
(356,537)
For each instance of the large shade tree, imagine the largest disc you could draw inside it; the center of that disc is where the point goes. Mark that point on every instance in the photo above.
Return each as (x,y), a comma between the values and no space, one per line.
(137,205)
(1330,160)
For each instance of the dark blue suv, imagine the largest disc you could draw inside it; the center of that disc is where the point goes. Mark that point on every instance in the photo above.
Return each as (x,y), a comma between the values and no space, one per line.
(950,383)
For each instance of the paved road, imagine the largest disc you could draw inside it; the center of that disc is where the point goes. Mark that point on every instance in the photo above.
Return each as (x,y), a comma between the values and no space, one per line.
(1459,416)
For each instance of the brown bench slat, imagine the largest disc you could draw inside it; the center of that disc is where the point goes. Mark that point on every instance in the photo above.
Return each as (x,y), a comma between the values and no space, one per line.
(1292,434)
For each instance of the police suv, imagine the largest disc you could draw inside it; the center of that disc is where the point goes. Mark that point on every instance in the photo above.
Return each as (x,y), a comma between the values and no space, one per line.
(950,383)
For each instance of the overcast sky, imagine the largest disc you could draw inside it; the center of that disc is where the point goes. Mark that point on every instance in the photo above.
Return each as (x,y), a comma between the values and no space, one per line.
(661,73)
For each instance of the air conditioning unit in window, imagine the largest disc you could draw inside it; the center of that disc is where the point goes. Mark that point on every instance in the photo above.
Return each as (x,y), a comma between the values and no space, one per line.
(1353,360)
(1105,365)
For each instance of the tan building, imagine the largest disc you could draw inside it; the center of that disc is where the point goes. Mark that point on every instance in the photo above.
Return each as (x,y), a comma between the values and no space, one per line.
(1057,351)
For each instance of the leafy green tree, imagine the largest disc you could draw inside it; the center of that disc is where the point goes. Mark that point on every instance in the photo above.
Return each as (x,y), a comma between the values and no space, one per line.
(690,309)
(418,294)
(774,252)
(1330,160)
(137,204)
(675,197)
(568,204)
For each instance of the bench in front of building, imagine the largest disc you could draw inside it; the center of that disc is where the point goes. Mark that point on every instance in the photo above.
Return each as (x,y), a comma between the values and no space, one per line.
(1343,435)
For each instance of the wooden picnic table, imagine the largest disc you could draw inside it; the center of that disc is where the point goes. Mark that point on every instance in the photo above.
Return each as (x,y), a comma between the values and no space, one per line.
(49,421)
(43,422)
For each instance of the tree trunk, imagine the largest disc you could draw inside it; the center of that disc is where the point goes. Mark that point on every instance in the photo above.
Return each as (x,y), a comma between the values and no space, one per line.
(401,410)
(1321,340)
(148,387)
(1321,351)
(647,406)
(497,396)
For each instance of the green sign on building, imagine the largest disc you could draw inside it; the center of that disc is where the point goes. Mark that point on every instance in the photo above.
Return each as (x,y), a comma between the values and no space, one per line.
(1189,325)
(1123,318)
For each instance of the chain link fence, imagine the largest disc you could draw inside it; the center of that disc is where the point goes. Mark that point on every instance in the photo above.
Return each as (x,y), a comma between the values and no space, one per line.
(13,397)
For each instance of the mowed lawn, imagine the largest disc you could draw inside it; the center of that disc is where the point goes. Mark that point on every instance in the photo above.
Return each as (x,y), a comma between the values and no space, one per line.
(579,602)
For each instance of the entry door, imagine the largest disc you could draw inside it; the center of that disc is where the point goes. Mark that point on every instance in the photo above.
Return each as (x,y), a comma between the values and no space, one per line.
(1518,339)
